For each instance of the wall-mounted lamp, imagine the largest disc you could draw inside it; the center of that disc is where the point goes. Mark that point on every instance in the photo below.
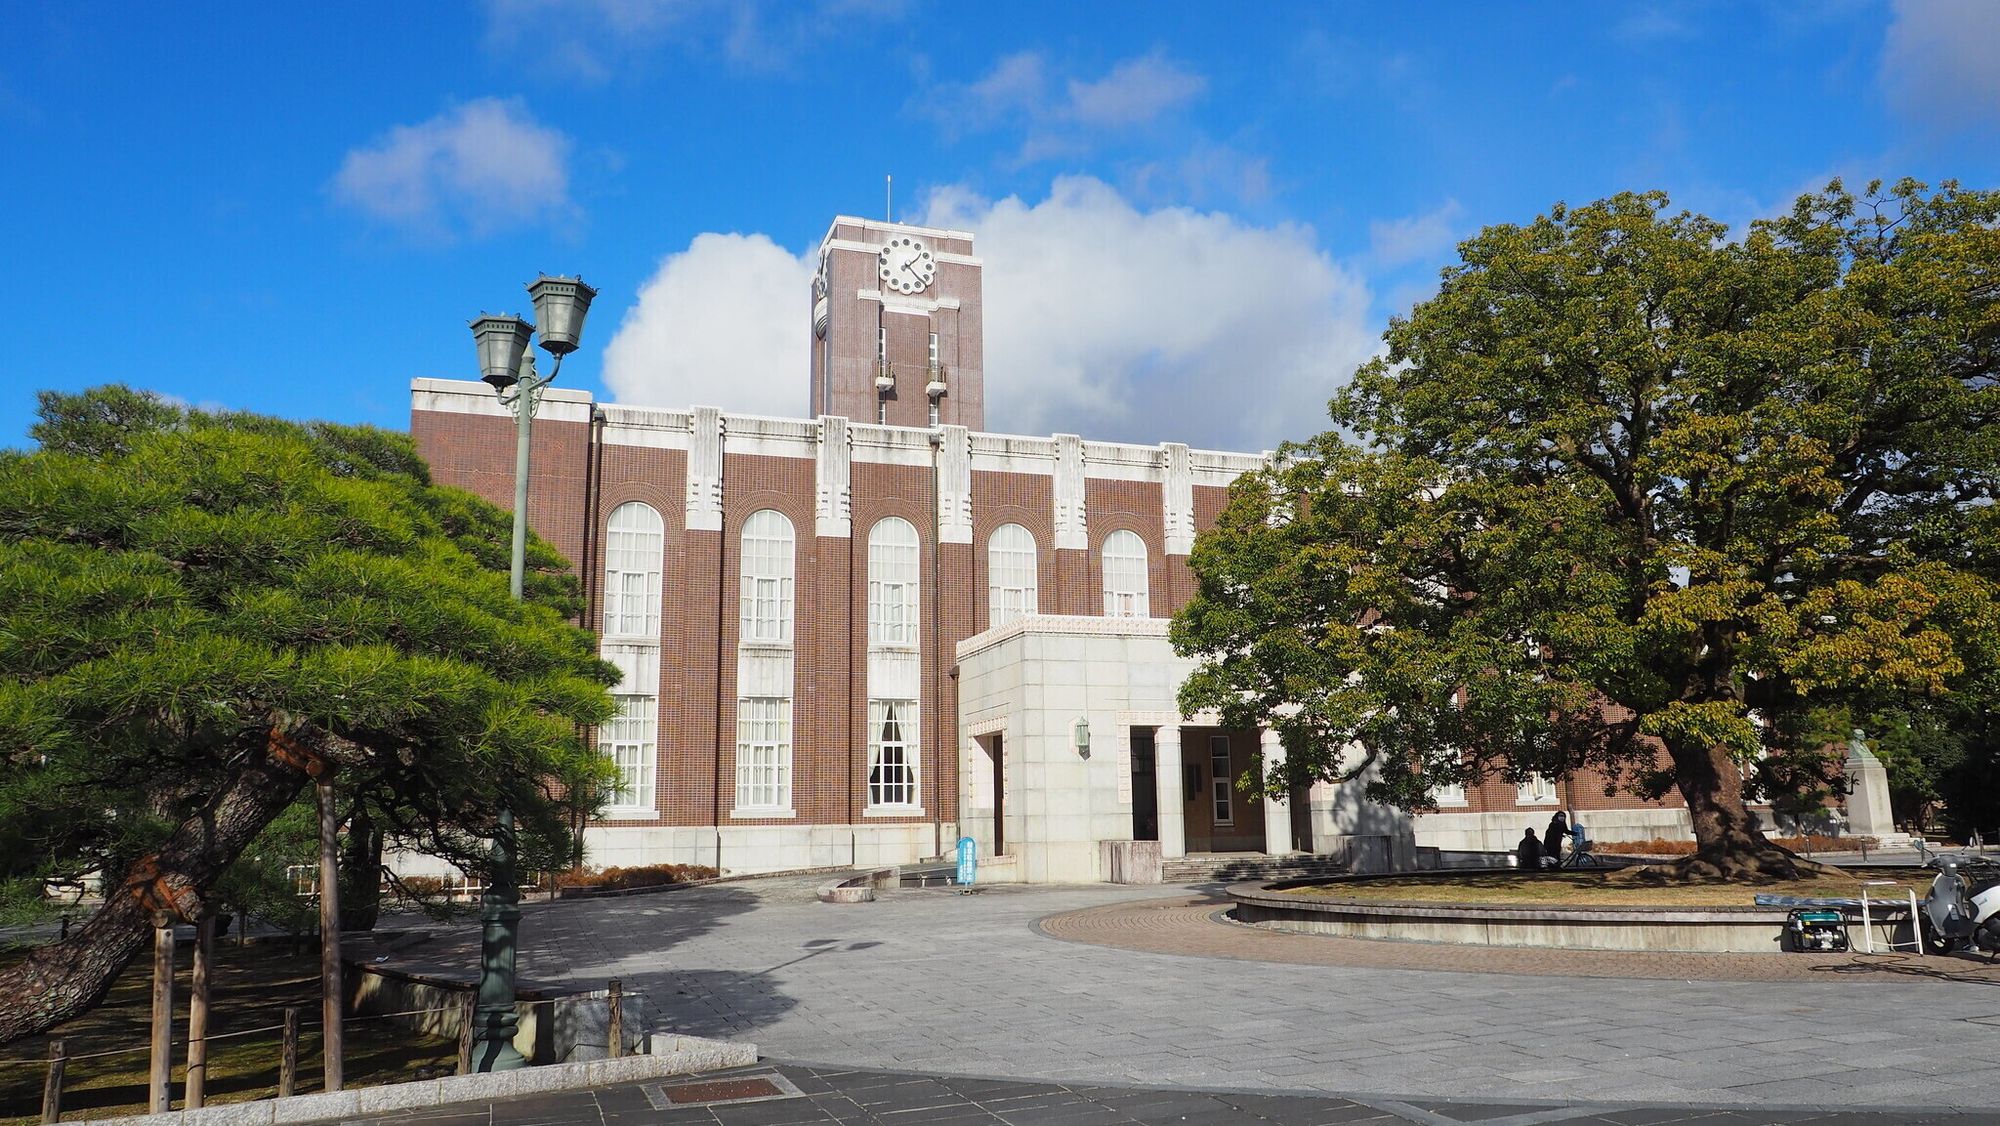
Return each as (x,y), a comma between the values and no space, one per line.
(1081,732)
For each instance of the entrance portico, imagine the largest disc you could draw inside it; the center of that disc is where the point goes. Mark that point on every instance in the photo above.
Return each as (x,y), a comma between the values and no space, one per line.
(1064,721)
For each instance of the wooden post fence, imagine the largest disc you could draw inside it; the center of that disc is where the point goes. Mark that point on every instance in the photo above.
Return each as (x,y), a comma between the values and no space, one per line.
(467,1013)
(614,1025)
(159,1090)
(288,1059)
(329,936)
(197,1062)
(52,1086)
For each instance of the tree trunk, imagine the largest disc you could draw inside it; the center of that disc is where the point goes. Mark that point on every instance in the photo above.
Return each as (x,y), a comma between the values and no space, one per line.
(1729,845)
(361,872)
(57,981)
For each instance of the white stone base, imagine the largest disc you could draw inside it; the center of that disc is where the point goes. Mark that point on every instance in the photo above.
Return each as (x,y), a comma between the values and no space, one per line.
(1500,832)
(766,848)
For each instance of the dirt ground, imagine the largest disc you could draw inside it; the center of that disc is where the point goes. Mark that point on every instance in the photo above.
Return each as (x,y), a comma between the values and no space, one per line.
(251,986)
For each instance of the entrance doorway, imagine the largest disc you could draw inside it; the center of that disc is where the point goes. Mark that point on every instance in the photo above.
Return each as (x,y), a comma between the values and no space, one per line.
(1145,787)
(999,797)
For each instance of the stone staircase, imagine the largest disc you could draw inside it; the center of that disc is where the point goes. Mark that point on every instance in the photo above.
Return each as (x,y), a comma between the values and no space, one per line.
(1239,867)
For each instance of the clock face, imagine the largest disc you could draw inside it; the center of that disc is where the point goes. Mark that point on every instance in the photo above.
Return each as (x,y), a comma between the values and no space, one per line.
(906,265)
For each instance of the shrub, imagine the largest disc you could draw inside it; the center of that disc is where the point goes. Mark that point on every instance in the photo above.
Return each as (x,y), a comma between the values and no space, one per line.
(651,875)
(1660,847)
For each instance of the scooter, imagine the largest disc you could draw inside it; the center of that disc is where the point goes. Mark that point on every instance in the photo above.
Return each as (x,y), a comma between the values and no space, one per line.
(1962,910)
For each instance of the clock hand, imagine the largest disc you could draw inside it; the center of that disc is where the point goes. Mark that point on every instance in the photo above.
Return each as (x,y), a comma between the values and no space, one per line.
(911,268)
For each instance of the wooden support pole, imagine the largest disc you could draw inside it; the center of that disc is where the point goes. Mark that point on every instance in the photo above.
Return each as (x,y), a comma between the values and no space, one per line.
(197,1062)
(614,1025)
(52,1086)
(329,937)
(160,1095)
(288,1058)
(468,1008)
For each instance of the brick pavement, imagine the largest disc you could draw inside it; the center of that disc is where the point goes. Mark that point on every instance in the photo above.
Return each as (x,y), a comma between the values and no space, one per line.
(936,982)
(1191,925)
(783,1095)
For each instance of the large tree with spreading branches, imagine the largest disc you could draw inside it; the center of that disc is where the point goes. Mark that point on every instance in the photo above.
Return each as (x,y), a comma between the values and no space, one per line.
(200,612)
(1633,495)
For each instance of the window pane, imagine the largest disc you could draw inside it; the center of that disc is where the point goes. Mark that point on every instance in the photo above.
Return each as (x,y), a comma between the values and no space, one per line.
(1125,579)
(764,752)
(892,583)
(892,752)
(767,578)
(634,539)
(628,741)
(1010,567)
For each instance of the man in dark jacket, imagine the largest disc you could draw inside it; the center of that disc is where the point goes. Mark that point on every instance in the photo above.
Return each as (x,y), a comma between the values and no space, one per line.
(1552,841)
(1528,855)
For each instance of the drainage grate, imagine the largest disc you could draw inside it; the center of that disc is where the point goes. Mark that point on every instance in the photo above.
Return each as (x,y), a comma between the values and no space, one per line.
(754,1088)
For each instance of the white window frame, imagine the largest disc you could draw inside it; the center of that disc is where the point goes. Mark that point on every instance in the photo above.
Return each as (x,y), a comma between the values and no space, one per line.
(1449,794)
(631,741)
(1012,575)
(764,756)
(934,349)
(768,552)
(1127,586)
(892,764)
(634,543)
(1222,799)
(894,571)
(1536,789)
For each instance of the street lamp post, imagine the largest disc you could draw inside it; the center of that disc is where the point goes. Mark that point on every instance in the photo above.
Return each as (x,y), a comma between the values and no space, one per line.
(508,363)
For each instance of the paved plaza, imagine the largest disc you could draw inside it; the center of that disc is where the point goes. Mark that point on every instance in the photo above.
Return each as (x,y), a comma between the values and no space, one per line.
(1135,987)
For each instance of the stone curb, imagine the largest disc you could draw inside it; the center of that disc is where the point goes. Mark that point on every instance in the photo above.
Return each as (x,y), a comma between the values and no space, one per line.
(859,887)
(672,1055)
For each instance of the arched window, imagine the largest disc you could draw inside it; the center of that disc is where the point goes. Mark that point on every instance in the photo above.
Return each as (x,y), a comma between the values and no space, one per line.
(767,578)
(634,540)
(892,583)
(1124,562)
(1010,574)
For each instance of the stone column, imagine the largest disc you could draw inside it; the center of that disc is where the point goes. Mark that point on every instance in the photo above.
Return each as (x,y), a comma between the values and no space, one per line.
(1277,812)
(1167,778)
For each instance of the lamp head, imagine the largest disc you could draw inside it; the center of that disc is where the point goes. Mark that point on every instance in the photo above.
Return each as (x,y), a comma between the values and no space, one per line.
(560,305)
(502,339)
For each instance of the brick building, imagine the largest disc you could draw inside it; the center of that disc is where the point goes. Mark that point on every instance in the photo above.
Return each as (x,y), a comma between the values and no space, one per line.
(851,637)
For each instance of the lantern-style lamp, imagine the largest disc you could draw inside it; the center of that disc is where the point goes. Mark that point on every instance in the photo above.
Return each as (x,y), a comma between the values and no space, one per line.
(1081,733)
(560,305)
(502,340)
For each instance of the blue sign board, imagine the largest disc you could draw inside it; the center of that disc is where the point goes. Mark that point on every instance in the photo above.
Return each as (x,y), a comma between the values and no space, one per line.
(968,861)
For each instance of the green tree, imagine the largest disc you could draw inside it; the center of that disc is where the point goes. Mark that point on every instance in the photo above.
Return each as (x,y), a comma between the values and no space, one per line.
(1628,495)
(198,612)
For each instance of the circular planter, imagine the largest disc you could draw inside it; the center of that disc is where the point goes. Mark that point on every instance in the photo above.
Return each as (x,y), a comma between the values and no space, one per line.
(1722,930)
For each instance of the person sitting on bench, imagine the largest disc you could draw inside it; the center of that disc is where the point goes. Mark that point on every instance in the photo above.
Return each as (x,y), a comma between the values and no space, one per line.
(1552,841)
(1528,854)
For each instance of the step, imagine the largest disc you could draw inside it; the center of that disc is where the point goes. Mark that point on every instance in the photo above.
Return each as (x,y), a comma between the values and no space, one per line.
(1187,869)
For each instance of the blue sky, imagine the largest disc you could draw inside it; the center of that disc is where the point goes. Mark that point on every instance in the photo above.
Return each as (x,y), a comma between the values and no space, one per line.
(296,208)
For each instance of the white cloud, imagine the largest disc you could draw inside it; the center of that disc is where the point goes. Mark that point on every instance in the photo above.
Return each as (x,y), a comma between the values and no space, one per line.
(596,40)
(1019,92)
(1938,61)
(724,323)
(1101,319)
(1135,92)
(480,167)
(1164,325)
(1414,238)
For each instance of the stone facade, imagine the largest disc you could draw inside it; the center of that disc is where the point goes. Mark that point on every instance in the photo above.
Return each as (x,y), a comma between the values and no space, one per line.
(829,624)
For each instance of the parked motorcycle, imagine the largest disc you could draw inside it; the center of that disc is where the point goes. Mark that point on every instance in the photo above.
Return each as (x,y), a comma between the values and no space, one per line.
(1962,910)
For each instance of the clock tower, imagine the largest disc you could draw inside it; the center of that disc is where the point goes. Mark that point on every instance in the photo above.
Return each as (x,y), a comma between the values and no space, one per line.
(896,326)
